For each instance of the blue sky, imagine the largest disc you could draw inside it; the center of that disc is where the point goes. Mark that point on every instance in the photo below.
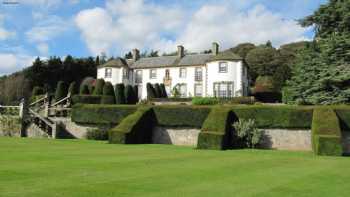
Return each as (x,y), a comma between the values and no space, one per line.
(31,28)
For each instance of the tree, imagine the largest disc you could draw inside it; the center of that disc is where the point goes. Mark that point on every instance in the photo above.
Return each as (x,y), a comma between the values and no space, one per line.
(120,93)
(108,94)
(61,91)
(243,49)
(262,61)
(129,95)
(150,91)
(136,93)
(163,90)
(84,89)
(99,87)
(73,88)
(157,91)
(128,55)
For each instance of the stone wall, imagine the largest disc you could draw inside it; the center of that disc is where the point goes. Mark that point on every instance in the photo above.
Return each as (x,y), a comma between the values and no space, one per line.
(33,131)
(175,136)
(283,139)
(12,128)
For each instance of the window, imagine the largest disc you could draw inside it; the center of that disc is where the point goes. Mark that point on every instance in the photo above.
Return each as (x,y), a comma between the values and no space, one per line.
(167,74)
(198,74)
(223,90)
(183,90)
(223,67)
(125,73)
(153,74)
(108,73)
(182,73)
(138,78)
(198,90)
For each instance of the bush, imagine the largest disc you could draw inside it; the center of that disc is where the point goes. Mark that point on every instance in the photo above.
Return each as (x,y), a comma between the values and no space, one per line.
(84,90)
(101,114)
(86,99)
(136,93)
(129,95)
(150,91)
(163,91)
(120,93)
(205,101)
(61,91)
(181,116)
(108,94)
(247,132)
(265,90)
(248,100)
(326,133)
(135,128)
(97,134)
(99,87)
(216,130)
(107,100)
(157,90)
(91,89)
(73,89)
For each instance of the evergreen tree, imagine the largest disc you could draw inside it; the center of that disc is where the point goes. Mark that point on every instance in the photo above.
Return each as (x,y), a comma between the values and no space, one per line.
(84,89)
(120,93)
(157,90)
(61,91)
(150,91)
(129,95)
(136,93)
(73,89)
(108,94)
(163,90)
(99,87)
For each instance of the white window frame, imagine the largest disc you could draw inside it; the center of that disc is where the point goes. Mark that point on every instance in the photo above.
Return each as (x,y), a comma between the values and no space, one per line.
(198,74)
(182,72)
(108,72)
(138,76)
(183,86)
(153,73)
(196,93)
(223,89)
(125,73)
(223,67)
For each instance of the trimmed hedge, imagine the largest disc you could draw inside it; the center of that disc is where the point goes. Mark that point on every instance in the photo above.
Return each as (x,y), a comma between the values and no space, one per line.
(181,116)
(205,101)
(73,88)
(172,99)
(326,133)
(109,100)
(343,113)
(86,99)
(120,93)
(217,130)
(61,91)
(84,90)
(101,114)
(99,87)
(276,116)
(135,128)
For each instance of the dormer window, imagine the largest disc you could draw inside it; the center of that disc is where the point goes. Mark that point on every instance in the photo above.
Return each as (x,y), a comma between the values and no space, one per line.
(108,73)
(222,67)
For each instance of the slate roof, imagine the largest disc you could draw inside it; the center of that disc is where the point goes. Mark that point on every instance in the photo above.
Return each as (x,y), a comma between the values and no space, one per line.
(115,63)
(152,62)
(226,55)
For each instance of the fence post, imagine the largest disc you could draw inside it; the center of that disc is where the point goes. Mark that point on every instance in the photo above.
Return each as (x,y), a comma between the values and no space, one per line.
(47,105)
(23,114)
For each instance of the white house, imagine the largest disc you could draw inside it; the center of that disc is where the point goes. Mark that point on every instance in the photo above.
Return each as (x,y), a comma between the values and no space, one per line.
(218,74)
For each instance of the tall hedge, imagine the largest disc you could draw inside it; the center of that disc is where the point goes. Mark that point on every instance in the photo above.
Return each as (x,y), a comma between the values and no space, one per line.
(150,91)
(73,88)
(99,87)
(326,133)
(61,91)
(136,93)
(108,94)
(129,95)
(84,89)
(120,93)
(157,91)
(163,91)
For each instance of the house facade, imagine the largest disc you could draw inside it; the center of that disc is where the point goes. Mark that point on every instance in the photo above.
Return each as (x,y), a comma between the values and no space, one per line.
(218,74)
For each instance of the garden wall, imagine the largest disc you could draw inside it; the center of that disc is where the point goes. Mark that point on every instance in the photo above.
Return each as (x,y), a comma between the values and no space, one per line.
(175,135)
(286,139)
(10,126)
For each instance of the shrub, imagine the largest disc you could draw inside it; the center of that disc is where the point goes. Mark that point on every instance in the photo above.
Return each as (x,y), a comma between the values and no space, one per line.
(101,114)
(265,90)
(216,130)
(61,91)
(97,134)
(129,95)
(91,89)
(248,100)
(205,101)
(181,116)
(107,100)
(86,99)
(163,91)
(108,94)
(247,131)
(99,87)
(84,90)
(326,133)
(136,93)
(150,91)
(73,89)
(157,90)
(120,93)
(135,128)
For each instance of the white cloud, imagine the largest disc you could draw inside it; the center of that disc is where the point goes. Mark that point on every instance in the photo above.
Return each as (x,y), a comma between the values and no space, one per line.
(43,49)
(5,34)
(10,62)
(42,3)
(125,24)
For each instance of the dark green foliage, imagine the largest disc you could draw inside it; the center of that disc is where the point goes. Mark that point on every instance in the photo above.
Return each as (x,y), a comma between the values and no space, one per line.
(61,91)
(135,128)
(188,116)
(326,133)
(129,95)
(243,49)
(276,116)
(101,114)
(108,94)
(73,88)
(262,61)
(99,87)
(157,91)
(97,134)
(120,94)
(91,89)
(37,91)
(136,93)
(87,99)
(216,130)
(265,90)
(248,100)
(107,99)
(343,113)
(205,101)
(171,99)
(150,91)
(84,90)
(163,91)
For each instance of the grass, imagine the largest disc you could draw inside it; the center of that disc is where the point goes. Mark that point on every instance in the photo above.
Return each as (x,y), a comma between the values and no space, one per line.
(42,167)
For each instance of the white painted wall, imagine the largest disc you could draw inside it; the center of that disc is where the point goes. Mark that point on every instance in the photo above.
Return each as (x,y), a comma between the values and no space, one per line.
(116,75)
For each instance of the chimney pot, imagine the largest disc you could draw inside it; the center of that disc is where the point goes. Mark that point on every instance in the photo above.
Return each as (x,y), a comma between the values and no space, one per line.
(215,48)
(135,54)
(180,51)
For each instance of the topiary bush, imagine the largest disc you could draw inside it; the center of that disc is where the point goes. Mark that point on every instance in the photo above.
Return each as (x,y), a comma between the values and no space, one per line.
(108,94)
(157,91)
(84,90)
(99,87)
(163,91)
(73,88)
(150,91)
(136,93)
(61,91)
(205,101)
(87,99)
(120,94)
(129,95)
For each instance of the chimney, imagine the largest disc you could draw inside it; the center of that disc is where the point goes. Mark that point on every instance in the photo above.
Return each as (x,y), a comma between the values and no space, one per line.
(135,54)
(180,51)
(215,48)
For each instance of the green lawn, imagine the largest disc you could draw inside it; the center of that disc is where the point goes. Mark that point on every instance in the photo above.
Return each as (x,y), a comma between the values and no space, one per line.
(41,167)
